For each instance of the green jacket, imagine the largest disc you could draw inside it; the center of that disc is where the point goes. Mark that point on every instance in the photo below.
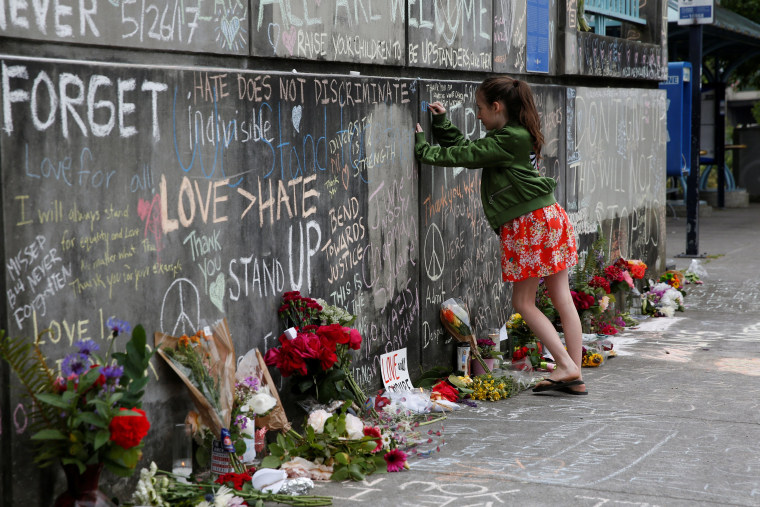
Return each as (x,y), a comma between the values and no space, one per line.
(510,185)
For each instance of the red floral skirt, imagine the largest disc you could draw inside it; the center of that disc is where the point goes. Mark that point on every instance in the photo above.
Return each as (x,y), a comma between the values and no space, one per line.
(537,244)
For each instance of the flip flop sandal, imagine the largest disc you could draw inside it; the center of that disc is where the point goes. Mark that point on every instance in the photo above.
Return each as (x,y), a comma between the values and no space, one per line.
(556,385)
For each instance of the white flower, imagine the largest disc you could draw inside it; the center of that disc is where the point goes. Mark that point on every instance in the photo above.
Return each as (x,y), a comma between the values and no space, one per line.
(354,427)
(667,311)
(261,403)
(604,303)
(317,420)
(223,496)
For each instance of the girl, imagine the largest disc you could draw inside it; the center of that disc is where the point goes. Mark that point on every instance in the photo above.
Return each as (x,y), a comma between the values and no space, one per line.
(537,239)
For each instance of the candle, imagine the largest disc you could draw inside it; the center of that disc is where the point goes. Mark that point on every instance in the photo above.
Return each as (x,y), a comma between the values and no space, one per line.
(182,451)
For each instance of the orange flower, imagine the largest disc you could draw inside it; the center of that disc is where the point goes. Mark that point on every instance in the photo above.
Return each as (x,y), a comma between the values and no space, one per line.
(184,340)
(449,315)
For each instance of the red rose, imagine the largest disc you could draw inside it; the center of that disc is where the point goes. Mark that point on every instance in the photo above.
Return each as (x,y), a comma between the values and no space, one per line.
(354,339)
(599,281)
(327,356)
(582,300)
(129,430)
(446,390)
(334,333)
(237,480)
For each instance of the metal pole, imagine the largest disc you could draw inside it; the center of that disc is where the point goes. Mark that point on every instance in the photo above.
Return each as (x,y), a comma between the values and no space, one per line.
(692,181)
(720,136)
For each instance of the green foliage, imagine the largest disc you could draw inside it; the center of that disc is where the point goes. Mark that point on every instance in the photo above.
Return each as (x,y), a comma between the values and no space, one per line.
(351,459)
(746,75)
(756,111)
(28,363)
(71,423)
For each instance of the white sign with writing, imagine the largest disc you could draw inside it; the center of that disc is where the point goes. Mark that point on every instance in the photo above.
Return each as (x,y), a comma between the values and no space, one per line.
(394,367)
(696,12)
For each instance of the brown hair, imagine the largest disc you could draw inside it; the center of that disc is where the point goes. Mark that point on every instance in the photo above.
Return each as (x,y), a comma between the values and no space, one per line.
(517,97)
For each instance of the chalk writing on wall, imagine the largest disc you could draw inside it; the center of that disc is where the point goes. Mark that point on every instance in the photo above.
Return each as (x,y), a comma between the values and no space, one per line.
(450,35)
(214,27)
(332,30)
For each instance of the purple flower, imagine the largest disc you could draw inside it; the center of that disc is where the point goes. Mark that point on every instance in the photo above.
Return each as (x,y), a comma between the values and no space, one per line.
(112,372)
(75,364)
(87,347)
(241,421)
(252,383)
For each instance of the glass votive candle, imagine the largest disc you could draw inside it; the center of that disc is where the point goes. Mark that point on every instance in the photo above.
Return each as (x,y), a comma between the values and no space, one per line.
(182,451)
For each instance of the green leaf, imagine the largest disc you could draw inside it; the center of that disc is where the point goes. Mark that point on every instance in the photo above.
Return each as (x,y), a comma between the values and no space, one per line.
(276,449)
(271,462)
(340,474)
(74,461)
(101,437)
(368,446)
(342,458)
(87,380)
(52,399)
(355,472)
(381,467)
(91,418)
(49,434)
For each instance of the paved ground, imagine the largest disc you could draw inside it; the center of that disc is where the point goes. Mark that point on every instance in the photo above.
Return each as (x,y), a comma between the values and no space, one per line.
(674,420)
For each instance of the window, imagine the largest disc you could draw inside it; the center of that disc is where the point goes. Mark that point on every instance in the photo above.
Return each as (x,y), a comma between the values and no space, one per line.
(605,17)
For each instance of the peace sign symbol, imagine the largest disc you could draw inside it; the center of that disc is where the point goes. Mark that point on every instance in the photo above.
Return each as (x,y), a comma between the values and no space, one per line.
(433,245)
(182,296)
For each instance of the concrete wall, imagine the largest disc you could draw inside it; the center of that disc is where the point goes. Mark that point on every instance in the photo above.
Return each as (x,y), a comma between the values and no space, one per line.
(287,127)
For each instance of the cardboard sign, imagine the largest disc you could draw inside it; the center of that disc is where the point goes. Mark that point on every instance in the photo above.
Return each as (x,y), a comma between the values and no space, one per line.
(395,371)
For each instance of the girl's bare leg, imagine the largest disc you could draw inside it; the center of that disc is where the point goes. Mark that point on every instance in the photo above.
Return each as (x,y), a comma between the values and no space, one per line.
(558,286)
(524,302)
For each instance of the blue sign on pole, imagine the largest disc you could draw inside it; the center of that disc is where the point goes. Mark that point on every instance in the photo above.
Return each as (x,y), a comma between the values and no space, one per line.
(537,43)
(694,12)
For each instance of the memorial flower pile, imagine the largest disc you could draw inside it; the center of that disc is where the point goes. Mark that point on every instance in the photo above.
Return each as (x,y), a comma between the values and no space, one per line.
(333,446)
(206,363)
(158,488)
(88,412)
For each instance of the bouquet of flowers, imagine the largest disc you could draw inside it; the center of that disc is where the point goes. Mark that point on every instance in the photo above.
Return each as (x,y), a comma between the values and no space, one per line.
(490,388)
(89,412)
(673,278)
(519,332)
(662,300)
(205,362)
(456,320)
(319,355)
(299,311)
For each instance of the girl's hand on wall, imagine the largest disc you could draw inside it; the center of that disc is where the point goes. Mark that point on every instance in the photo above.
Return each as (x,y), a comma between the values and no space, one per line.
(418,128)
(436,108)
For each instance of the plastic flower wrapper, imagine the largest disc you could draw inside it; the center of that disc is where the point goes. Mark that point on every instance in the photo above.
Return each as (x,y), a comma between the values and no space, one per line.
(456,319)
(206,365)
(252,365)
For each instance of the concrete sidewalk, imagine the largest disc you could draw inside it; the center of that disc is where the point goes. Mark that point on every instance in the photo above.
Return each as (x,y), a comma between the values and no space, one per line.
(674,420)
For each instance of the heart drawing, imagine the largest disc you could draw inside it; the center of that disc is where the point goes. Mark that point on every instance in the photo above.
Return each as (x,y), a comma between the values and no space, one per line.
(273,41)
(216,292)
(230,30)
(289,39)
(296,115)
